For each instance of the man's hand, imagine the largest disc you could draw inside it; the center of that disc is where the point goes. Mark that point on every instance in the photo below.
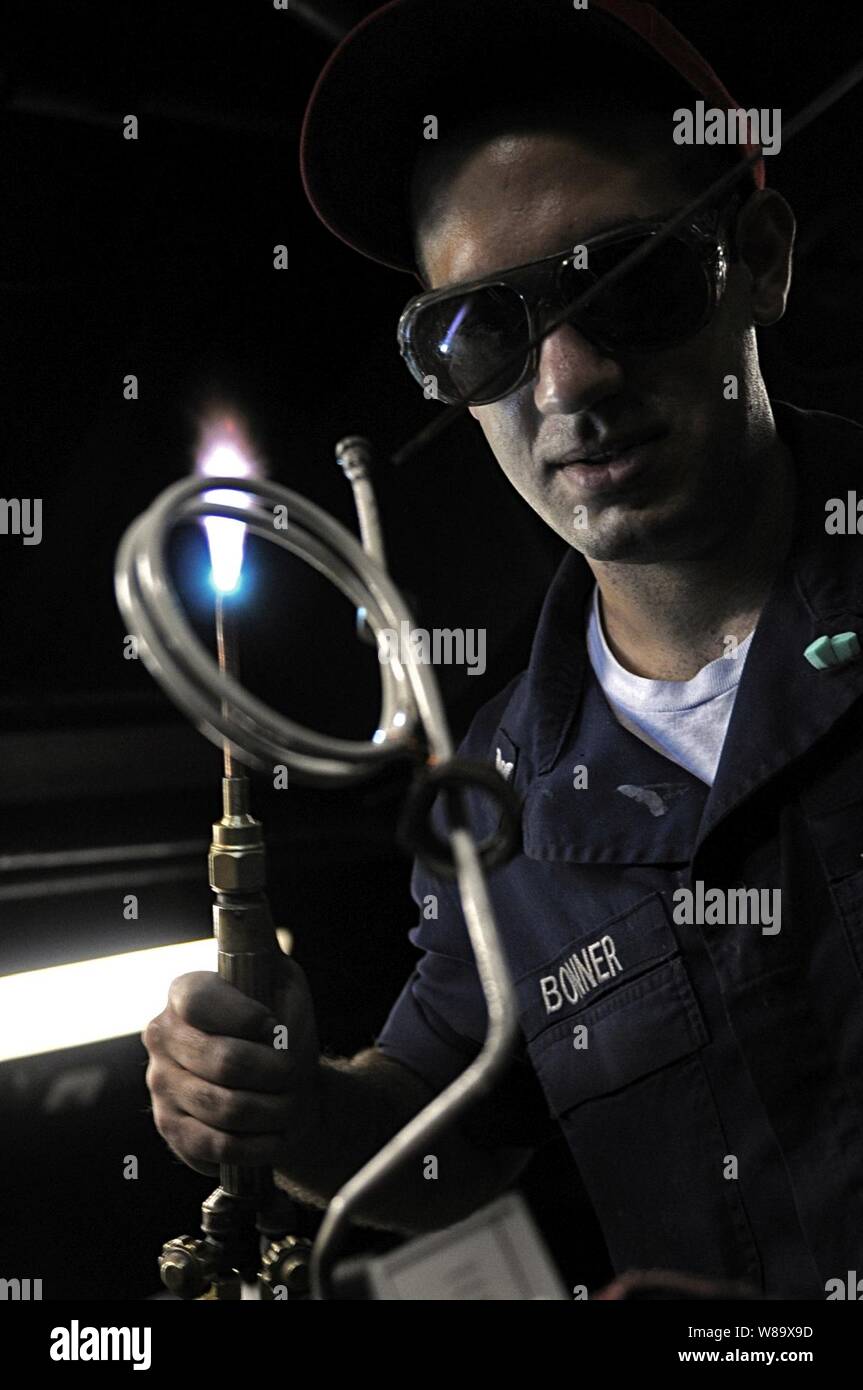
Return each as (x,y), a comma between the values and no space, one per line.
(225,1087)
(224,1092)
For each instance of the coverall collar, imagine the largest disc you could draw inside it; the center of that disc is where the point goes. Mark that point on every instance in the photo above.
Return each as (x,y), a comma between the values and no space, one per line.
(558,714)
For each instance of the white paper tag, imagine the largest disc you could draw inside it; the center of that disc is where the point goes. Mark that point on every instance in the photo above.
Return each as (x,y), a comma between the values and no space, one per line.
(497,1253)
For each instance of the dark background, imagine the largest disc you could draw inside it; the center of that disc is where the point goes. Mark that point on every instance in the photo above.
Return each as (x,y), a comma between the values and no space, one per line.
(154,257)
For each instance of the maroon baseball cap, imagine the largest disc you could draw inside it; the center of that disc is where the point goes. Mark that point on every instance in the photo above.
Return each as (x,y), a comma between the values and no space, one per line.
(363,127)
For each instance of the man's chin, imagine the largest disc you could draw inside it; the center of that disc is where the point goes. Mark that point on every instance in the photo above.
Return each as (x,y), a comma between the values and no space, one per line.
(647,541)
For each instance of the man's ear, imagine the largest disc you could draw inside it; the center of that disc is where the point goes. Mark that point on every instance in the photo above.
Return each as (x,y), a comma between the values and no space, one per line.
(765,240)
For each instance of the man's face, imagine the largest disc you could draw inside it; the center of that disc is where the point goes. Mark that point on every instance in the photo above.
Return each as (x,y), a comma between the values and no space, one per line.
(518,198)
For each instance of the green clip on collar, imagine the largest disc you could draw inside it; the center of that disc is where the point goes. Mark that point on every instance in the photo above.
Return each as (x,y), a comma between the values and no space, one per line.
(832,651)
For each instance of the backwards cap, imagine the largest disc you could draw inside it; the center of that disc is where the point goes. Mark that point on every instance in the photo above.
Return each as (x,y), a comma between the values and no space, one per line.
(363,127)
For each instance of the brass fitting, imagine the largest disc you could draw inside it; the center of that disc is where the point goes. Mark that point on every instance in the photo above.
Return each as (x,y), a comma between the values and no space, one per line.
(237,862)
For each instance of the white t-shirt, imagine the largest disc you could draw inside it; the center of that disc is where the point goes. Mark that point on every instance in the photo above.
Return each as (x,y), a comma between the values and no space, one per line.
(684,720)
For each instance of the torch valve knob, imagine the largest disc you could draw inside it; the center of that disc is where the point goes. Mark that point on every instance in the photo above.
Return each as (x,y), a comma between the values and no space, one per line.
(286,1265)
(187,1266)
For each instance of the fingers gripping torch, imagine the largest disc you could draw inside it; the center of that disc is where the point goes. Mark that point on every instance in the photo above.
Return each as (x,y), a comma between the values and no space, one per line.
(247,1213)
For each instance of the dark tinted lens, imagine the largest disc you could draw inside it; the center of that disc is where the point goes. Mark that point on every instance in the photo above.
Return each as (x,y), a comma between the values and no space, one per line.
(463,339)
(662,300)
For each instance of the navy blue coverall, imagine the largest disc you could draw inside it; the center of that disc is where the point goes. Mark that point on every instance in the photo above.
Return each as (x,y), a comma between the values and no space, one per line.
(715,1114)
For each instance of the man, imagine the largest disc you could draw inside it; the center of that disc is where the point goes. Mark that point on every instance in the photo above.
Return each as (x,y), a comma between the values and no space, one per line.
(684,923)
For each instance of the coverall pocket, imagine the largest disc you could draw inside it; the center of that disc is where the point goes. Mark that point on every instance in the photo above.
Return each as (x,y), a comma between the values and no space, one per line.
(847,896)
(837,832)
(626,1081)
(636,1030)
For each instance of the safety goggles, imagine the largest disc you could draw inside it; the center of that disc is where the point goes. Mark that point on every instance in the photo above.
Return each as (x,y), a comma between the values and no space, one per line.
(470,343)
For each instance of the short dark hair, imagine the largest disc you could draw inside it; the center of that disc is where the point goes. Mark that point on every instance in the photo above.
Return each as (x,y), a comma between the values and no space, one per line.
(610,123)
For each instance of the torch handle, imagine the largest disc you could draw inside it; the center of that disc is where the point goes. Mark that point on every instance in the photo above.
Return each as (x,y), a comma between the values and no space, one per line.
(251,972)
(247,960)
(248,947)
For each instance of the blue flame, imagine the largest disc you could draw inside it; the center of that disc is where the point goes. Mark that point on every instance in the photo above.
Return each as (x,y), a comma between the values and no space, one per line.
(223,458)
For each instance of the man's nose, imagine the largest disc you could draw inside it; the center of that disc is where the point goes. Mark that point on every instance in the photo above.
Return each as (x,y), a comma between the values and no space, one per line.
(573,374)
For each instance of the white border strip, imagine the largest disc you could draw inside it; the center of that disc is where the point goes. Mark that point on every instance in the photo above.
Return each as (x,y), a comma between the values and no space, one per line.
(92,1000)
